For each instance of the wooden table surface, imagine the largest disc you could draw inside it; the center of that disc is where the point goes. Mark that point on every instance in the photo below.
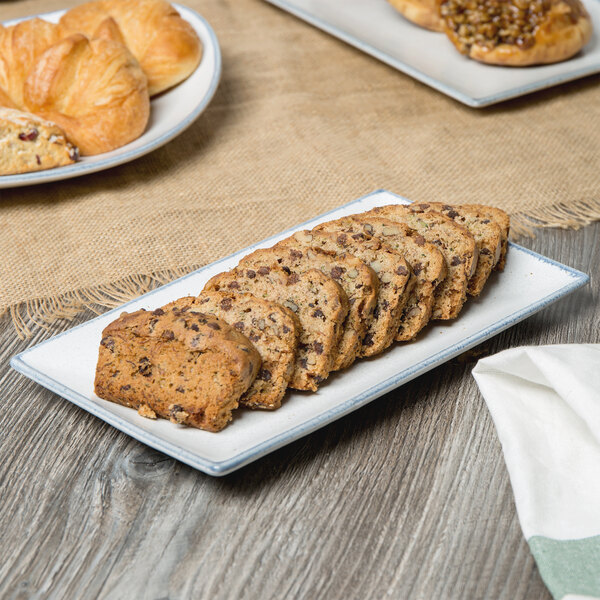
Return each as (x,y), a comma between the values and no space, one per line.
(408,497)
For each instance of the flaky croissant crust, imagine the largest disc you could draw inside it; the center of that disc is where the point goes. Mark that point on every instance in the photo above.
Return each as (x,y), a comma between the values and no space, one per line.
(166,46)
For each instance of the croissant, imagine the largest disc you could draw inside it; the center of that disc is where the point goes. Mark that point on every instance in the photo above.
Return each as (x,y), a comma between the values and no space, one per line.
(93,89)
(165,45)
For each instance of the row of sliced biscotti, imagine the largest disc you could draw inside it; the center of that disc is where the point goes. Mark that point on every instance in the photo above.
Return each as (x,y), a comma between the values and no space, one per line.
(309,305)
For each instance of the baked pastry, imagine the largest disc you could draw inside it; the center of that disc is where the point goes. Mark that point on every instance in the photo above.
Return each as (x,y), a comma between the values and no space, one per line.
(486,232)
(320,304)
(21,45)
(517,32)
(166,46)
(424,13)
(272,329)
(395,280)
(28,143)
(188,367)
(455,243)
(501,219)
(426,261)
(358,280)
(94,90)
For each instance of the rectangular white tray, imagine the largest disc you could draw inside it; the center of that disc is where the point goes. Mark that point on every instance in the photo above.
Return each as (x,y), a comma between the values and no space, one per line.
(65,363)
(376,28)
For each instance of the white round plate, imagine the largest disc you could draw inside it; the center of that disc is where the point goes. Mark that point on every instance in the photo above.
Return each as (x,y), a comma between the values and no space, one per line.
(171,112)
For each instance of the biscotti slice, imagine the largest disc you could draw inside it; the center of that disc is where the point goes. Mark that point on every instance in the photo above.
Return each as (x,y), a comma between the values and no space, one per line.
(273,330)
(456,244)
(487,237)
(28,143)
(393,272)
(358,281)
(426,261)
(188,367)
(498,216)
(320,304)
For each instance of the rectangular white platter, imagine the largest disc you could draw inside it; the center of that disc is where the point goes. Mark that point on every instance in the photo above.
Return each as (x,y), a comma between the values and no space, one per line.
(376,28)
(65,363)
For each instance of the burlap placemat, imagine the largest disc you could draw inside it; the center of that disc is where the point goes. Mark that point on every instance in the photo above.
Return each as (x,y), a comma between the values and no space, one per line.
(301,123)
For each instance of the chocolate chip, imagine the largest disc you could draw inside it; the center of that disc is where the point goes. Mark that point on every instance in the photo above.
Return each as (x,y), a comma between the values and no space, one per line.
(303,363)
(195,327)
(251,274)
(214,326)
(239,326)
(368,340)
(486,221)
(180,389)
(264,375)
(318,314)
(226,304)
(253,337)
(295,254)
(419,240)
(124,388)
(167,334)
(342,239)
(234,285)
(485,251)
(385,305)
(174,409)
(286,329)
(108,343)
(452,214)
(318,347)
(337,272)
(417,268)
(264,270)
(402,270)
(318,379)
(424,206)
(456,260)
(145,368)
(293,278)
(286,269)
(158,312)
(358,236)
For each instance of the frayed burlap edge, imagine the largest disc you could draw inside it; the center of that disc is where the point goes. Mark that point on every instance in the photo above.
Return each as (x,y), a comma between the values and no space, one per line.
(43,312)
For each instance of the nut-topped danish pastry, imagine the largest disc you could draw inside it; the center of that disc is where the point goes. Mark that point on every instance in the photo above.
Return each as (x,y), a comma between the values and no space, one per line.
(421,12)
(517,32)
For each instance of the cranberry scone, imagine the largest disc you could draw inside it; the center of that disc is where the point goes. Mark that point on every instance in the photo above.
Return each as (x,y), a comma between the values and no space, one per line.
(486,232)
(28,143)
(456,244)
(320,304)
(191,368)
(272,329)
(358,280)
(393,272)
(517,33)
(426,262)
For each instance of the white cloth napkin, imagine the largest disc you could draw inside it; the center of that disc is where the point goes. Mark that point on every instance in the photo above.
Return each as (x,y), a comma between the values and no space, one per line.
(545,403)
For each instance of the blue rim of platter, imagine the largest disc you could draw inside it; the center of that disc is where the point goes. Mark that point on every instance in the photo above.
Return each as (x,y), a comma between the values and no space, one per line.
(220,468)
(79,169)
(426,79)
